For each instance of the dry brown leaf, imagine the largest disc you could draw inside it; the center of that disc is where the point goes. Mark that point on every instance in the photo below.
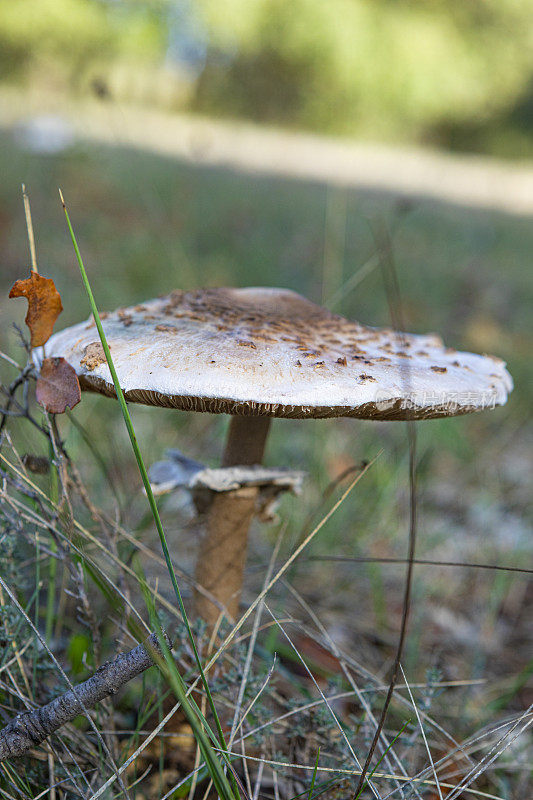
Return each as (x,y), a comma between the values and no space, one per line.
(39,465)
(44,306)
(58,387)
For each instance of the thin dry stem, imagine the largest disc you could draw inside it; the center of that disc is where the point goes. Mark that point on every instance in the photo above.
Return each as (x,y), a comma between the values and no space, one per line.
(29,225)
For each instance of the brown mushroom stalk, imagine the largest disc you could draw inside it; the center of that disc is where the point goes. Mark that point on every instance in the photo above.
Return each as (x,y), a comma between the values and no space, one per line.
(222,554)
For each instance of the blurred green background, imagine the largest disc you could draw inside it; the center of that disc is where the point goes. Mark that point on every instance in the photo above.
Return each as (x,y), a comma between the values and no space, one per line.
(448,73)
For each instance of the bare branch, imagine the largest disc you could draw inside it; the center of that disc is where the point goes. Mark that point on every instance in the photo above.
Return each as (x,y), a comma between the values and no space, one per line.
(30,729)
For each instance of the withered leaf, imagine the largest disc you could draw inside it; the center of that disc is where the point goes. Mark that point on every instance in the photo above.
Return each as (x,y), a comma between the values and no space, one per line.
(58,387)
(44,306)
(40,465)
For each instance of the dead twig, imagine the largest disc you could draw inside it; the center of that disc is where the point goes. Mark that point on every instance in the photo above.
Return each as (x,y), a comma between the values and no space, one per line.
(30,729)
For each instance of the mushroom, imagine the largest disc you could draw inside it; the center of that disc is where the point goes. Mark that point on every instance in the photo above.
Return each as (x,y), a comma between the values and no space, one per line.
(259,353)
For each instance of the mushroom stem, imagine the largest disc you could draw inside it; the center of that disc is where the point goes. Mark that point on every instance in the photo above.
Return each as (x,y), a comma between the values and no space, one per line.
(246,440)
(222,554)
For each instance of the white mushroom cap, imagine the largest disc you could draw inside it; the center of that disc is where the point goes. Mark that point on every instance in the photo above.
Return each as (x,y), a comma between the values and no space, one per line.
(272,352)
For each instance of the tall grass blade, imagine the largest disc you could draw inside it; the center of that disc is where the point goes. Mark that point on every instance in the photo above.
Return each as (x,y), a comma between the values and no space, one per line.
(217,773)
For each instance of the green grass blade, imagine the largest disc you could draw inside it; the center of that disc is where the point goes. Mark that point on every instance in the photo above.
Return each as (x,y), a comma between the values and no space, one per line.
(365,784)
(172,674)
(313,779)
(177,684)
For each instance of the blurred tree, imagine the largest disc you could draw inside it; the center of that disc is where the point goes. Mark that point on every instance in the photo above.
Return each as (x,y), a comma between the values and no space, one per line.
(374,67)
(449,72)
(63,39)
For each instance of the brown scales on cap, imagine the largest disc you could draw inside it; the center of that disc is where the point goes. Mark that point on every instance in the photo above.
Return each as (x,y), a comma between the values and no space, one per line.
(93,356)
